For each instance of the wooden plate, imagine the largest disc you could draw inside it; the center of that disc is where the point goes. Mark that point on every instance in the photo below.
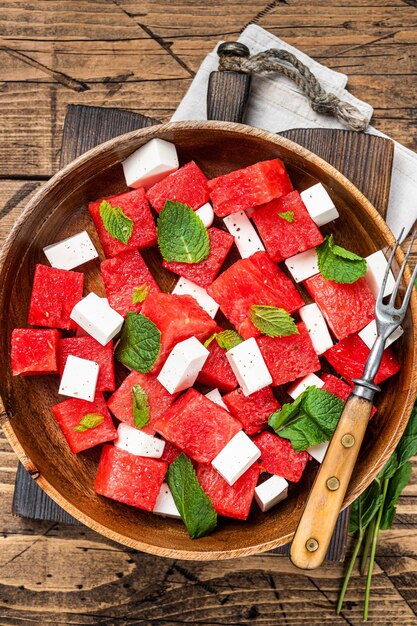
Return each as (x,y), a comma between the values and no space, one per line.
(58,211)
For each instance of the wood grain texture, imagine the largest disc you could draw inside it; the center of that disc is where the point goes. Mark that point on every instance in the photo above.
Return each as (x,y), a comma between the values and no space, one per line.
(227,96)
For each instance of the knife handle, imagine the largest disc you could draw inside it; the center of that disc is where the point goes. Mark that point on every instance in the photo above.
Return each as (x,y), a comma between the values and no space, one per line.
(228,92)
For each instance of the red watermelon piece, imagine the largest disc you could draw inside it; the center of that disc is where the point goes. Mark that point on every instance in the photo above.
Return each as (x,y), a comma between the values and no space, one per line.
(135,206)
(159,399)
(205,272)
(197,426)
(187,185)
(88,348)
(229,501)
(55,292)
(69,414)
(216,371)
(127,478)
(346,308)
(249,187)
(252,411)
(339,388)
(282,238)
(170,453)
(34,351)
(178,318)
(348,357)
(122,275)
(279,457)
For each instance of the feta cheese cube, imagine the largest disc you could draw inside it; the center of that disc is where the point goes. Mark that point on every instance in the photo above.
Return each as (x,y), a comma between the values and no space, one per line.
(369,334)
(215,396)
(71,252)
(300,385)
(249,367)
(319,205)
(376,265)
(165,504)
(270,492)
(150,163)
(303,265)
(236,457)
(246,238)
(137,442)
(79,378)
(206,214)
(97,318)
(183,365)
(187,287)
(317,327)
(318,451)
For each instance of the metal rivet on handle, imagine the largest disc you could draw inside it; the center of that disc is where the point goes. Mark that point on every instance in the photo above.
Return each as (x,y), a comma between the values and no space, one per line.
(312,545)
(348,440)
(233,49)
(333,483)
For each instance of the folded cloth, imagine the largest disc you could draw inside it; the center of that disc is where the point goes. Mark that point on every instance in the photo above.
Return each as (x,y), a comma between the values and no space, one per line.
(276,104)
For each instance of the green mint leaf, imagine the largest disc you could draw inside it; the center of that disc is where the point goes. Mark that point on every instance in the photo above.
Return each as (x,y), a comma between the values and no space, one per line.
(407,446)
(117,224)
(140,293)
(395,486)
(91,420)
(141,410)
(228,339)
(139,343)
(288,216)
(337,264)
(182,236)
(365,507)
(272,321)
(209,340)
(194,505)
(389,468)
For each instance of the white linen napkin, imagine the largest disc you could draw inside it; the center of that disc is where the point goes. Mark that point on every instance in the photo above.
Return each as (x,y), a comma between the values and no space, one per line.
(276,104)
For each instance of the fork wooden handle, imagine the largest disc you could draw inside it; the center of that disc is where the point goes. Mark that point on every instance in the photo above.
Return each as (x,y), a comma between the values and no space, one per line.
(318,521)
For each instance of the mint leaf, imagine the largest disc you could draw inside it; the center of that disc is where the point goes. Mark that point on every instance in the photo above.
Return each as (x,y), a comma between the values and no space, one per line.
(209,340)
(139,343)
(141,410)
(91,420)
(228,339)
(395,486)
(140,293)
(338,264)
(117,224)
(194,505)
(182,236)
(272,321)
(288,216)
(365,507)
(407,446)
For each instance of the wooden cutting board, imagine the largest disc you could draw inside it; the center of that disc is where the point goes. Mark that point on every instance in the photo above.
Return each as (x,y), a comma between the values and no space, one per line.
(365,159)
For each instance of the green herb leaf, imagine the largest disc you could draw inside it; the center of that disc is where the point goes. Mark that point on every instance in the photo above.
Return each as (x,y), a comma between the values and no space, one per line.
(364,508)
(91,420)
(338,264)
(194,505)
(228,339)
(288,216)
(141,410)
(117,224)
(395,486)
(272,321)
(140,293)
(139,343)
(407,446)
(209,340)
(182,236)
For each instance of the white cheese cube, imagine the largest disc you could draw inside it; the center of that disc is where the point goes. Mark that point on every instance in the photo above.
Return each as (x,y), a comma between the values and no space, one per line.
(303,265)
(376,265)
(236,457)
(317,327)
(206,214)
(71,252)
(97,318)
(182,366)
(150,163)
(79,378)
(270,492)
(318,451)
(165,504)
(246,238)
(319,205)
(300,385)
(137,442)
(215,396)
(249,367)
(188,288)
(369,334)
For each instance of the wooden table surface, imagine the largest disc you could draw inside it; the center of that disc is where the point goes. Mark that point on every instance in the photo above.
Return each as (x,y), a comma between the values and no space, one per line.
(142,55)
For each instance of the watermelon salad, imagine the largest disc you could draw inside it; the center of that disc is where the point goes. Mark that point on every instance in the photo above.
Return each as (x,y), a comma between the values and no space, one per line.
(230,386)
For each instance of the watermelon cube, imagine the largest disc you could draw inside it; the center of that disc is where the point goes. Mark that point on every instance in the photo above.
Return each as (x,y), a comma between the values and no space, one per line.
(88,348)
(339,388)
(205,272)
(55,292)
(34,351)
(198,426)
(346,308)
(252,411)
(229,501)
(178,318)
(135,206)
(122,276)
(285,237)
(121,402)
(170,453)
(255,280)
(69,414)
(348,357)
(127,478)
(249,187)
(288,358)
(279,457)
(187,185)
(216,371)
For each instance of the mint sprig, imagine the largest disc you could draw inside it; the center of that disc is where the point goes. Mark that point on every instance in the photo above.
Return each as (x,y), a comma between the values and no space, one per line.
(227,339)
(338,264)
(141,409)
(117,224)
(272,321)
(288,216)
(140,294)
(182,236)
(89,421)
(139,343)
